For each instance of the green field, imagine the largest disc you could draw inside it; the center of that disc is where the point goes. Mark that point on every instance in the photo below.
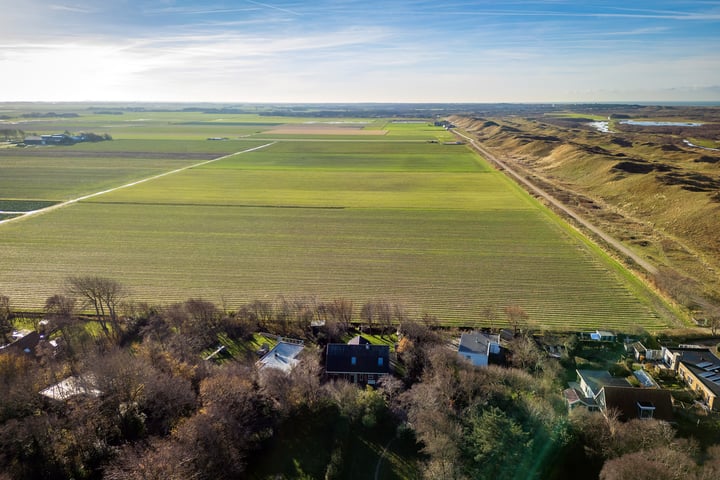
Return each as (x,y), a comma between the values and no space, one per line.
(427,225)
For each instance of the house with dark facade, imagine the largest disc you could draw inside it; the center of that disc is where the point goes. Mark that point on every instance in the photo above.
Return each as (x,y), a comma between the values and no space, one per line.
(23,342)
(363,364)
(597,390)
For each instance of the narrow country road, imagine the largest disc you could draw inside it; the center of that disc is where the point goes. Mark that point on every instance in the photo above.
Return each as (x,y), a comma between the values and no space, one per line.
(57,206)
(607,238)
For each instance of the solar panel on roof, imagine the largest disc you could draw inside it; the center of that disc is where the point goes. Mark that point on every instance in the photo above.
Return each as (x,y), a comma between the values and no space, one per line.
(707,374)
(714,378)
(704,364)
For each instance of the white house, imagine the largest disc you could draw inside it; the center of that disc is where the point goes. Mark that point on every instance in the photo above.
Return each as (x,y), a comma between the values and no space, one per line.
(283,356)
(477,347)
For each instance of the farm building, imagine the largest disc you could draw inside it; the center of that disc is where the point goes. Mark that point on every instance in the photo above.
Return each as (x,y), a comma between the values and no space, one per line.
(33,140)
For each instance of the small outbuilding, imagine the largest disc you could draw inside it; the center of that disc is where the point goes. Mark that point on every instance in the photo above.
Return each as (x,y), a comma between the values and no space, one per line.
(283,356)
(477,347)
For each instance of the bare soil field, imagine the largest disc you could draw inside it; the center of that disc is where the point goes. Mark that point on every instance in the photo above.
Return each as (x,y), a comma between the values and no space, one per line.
(323,129)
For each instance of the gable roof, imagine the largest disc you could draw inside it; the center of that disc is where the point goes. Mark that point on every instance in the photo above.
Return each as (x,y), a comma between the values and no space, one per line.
(477,342)
(72,387)
(358,340)
(625,400)
(339,358)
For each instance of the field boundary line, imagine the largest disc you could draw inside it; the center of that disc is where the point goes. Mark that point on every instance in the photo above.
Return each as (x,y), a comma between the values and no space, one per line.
(57,206)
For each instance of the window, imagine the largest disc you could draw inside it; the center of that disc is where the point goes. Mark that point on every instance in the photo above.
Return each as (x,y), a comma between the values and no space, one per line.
(353,361)
(645,409)
(380,361)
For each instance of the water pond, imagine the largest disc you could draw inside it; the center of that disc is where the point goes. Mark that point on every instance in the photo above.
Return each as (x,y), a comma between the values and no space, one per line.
(648,123)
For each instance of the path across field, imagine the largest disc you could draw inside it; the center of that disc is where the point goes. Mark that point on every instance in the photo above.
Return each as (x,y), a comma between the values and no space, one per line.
(57,206)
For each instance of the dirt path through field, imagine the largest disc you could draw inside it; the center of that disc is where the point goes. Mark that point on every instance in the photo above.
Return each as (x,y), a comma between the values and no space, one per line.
(40,211)
(556,203)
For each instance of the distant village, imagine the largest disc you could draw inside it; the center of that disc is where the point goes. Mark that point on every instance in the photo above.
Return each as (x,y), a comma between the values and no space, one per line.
(63,139)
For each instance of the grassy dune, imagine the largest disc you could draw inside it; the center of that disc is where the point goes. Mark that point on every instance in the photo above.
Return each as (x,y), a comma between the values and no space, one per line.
(644,186)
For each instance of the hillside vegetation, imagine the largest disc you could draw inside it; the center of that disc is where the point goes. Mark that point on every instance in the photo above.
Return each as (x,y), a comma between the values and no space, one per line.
(642,184)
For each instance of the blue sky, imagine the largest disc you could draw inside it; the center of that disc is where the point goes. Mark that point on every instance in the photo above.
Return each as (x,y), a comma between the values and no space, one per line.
(359,51)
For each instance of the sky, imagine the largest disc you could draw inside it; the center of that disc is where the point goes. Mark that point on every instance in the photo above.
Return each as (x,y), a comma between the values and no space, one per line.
(359,51)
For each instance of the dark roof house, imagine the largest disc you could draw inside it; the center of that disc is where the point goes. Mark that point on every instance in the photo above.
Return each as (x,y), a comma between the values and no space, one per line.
(598,390)
(631,402)
(363,364)
(23,342)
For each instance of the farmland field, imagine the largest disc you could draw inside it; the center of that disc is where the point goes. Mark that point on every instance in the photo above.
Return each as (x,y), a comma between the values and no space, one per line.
(392,216)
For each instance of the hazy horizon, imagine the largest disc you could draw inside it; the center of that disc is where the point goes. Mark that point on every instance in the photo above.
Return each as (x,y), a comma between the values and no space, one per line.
(545,51)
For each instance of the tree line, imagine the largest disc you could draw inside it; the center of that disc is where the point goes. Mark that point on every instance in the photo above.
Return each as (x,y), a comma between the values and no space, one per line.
(161,411)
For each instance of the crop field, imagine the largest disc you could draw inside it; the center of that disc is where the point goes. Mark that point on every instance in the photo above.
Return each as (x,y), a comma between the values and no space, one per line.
(426,225)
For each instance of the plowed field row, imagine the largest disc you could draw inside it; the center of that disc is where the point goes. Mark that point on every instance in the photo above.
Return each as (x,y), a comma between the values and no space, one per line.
(426,225)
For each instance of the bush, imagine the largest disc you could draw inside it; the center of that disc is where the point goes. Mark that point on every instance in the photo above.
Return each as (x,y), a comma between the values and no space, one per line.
(619,370)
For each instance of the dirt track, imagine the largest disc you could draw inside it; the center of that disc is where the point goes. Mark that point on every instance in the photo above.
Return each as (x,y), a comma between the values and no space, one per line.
(560,206)
(56,206)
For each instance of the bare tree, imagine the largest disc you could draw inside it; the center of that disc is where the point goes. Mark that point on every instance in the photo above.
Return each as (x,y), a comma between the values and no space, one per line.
(261,312)
(60,312)
(713,319)
(336,316)
(526,354)
(385,313)
(367,313)
(6,326)
(342,310)
(380,312)
(517,318)
(490,315)
(103,295)
(203,313)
